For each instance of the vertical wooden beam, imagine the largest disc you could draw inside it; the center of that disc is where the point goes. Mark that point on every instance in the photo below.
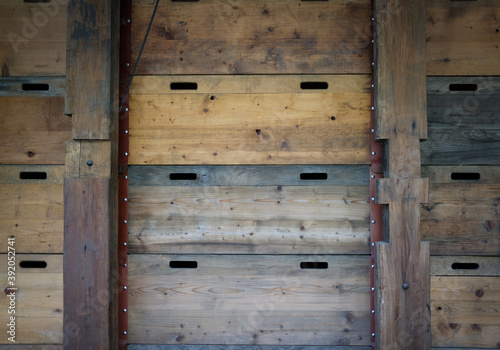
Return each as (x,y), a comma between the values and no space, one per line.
(90,187)
(402,281)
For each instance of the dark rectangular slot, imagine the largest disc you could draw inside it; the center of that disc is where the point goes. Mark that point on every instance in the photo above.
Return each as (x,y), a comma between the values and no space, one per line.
(183,176)
(464,266)
(463,87)
(183,264)
(465,176)
(33,175)
(183,86)
(33,264)
(313,176)
(314,265)
(314,85)
(35,87)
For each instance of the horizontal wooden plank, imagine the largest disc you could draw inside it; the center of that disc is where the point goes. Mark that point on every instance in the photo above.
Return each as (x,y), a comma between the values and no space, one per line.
(465,311)
(242,347)
(33,41)
(32,86)
(38,298)
(32,209)
(462,37)
(250,175)
(249,219)
(251,128)
(465,266)
(33,130)
(31,347)
(462,217)
(257,37)
(463,121)
(249,300)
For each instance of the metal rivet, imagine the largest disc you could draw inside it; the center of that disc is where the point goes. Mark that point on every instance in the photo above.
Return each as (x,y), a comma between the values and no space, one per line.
(373,63)
(126,131)
(89,162)
(126,153)
(125,199)
(128,20)
(405,286)
(373,335)
(127,64)
(124,265)
(373,108)
(126,177)
(124,221)
(124,243)
(373,266)
(126,109)
(124,287)
(124,333)
(373,244)
(374,153)
(124,310)
(373,85)
(373,221)
(373,176)
(373,41)
(373,289)
(373,199)
(373,18)
(373,130)
(373,311)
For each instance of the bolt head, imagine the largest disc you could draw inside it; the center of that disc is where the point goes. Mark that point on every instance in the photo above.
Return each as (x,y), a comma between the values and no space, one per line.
(124,243)
(90,162)
(124,287)
(405,286)
(124,265)
(124,310)
(124,333)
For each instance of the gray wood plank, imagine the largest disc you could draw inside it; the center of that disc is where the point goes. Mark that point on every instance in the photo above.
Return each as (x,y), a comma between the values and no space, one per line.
(242,347)
(32,86)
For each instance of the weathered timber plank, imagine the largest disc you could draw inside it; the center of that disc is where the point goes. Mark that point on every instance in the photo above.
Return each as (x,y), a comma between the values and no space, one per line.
(249,300)
(462,37)
(465,311)
(242,347)
(249,219)
(32,210)
(33,130)
(251,128)
(465,266)
(89,159)
(257,37)
(32,86)
(33,39)
(38,299)
(461,216)
(32,347)
(252,175)
(464,126)
(92,36)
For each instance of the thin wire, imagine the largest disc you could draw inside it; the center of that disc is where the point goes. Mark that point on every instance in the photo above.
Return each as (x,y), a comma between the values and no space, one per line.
(139,56)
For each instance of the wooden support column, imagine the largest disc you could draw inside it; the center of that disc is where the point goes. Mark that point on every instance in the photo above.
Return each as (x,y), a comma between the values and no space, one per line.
(90,187)
(402,280)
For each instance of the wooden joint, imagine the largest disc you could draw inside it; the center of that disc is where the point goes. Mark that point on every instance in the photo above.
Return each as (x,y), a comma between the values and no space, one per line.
(390,190)
(88,159)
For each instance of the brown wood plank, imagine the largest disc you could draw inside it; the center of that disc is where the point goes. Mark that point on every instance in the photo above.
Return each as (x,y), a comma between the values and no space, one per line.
(243,127)
(33,40)
(465,311)
(31,347)
(243,299)
(32,86)
(32,210)
(240,347)
(465,266)
(33,130)
(461,216)
(462,37)
(402,263)
(256,37)
(38,299)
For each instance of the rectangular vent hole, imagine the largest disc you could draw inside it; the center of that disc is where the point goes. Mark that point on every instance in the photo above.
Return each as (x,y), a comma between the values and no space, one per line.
(314,265)
(314,85)
(33,175)
(313,176)
(33,264)
(465,176)
(464,266)
(183,176)
(463,87)
(35,87)
(183,264)
(183,86)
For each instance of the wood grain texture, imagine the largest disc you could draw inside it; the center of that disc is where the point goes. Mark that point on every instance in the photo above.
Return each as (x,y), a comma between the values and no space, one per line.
(464,266)
(33,39)
(33,130)
(238,347)
(256,37)
(249,300)
(92,37)
(32,210)
(31,347)
(26,87)
(38,302)
(462,216)
(243,127)
(464,126)
(465,311)
(259,209)
(462,37)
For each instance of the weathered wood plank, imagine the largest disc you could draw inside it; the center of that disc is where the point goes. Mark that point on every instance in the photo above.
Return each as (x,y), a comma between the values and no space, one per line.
(32,210)
(256,37)
(32,86)
(464,126)
(465,266)
(251,128)
(462,215)
(33,40)
(462,37)
(242,347)
(32,347)
(38,299)
(249,300)
(465,311)
(33,130)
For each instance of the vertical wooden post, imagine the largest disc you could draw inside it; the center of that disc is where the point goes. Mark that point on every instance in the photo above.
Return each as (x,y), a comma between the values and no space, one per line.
(90,187)
(402,281)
